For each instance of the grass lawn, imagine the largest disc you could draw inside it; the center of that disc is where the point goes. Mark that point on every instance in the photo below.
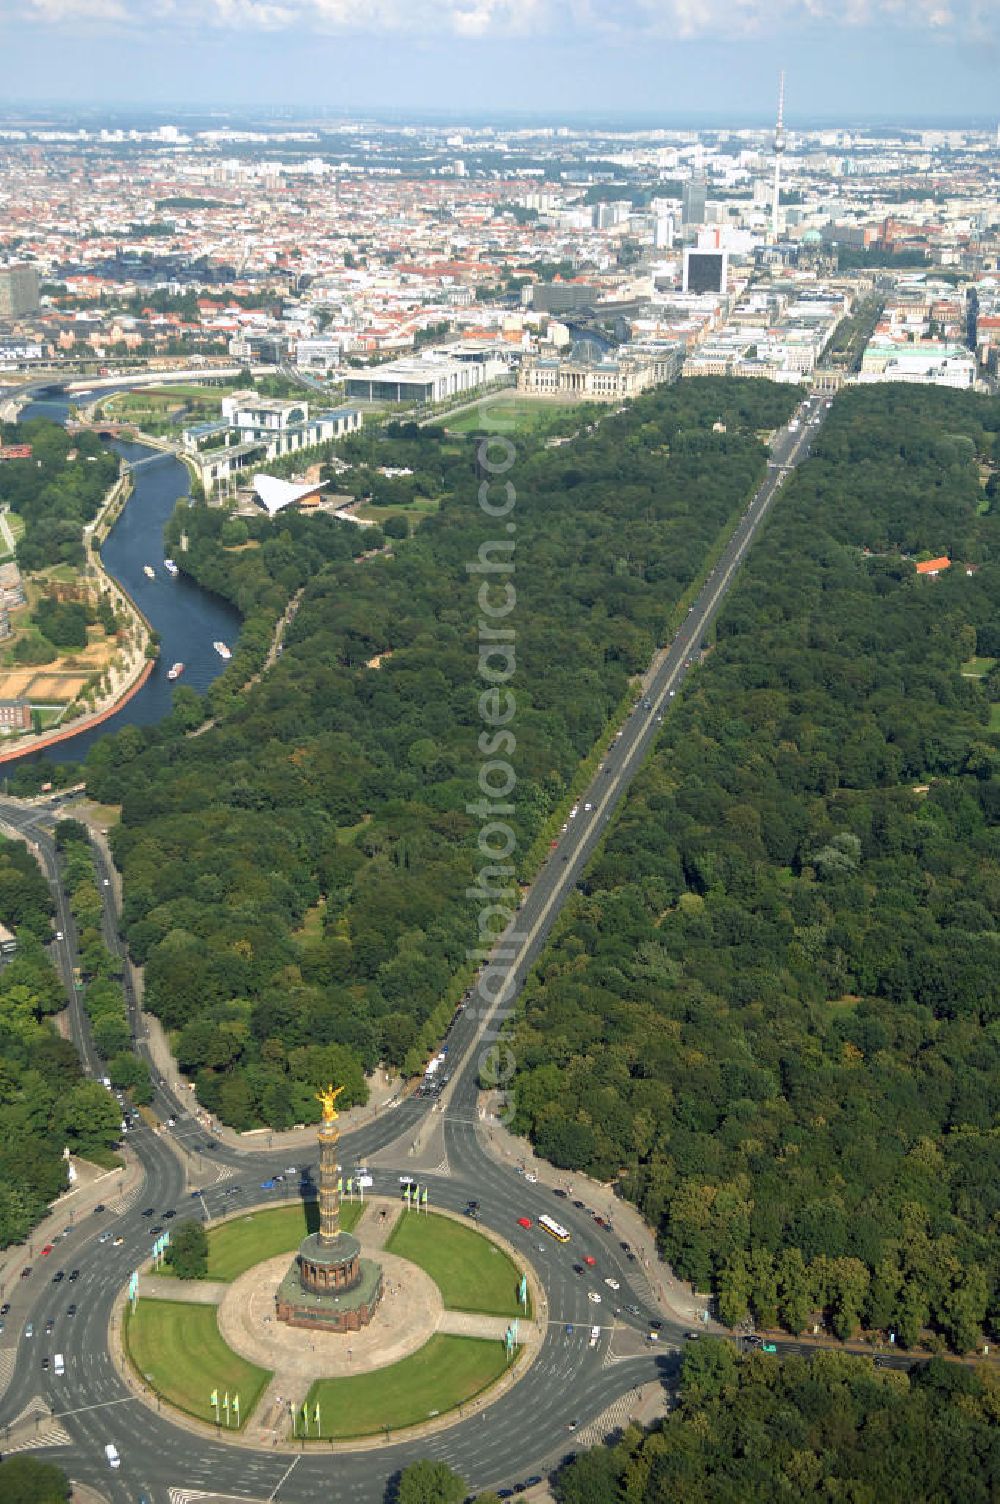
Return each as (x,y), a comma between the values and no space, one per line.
(414,511)
(995,717)
(522,415)
(439,1376)
(977,667)
(236,1246)
(472,1273)
(177,1348)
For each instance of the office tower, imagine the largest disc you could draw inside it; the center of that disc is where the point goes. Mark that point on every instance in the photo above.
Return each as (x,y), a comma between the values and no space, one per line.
(693,196)
(705,271)
(18,291)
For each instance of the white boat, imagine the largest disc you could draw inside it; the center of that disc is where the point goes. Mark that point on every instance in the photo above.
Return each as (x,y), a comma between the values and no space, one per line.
(170,566)
(222,650)
(176,671)
(149,571)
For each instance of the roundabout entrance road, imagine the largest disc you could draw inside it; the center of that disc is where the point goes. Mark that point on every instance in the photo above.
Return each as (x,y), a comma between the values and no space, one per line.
(569,1380)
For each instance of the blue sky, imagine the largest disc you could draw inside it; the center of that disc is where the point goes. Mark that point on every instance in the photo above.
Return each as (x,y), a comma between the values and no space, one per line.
(715,59)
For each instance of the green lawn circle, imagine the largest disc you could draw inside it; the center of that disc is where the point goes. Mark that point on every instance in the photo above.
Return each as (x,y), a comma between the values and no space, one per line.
(177,1350)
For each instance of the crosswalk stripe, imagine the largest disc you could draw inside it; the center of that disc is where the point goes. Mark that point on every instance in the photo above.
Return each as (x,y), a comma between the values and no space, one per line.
(49,1436)
(8,1361)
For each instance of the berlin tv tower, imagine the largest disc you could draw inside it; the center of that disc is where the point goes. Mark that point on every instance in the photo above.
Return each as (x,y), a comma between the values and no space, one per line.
(779,150)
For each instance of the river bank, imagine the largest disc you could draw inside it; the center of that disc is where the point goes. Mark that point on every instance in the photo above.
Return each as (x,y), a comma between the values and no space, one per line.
(125,552)
(133,638)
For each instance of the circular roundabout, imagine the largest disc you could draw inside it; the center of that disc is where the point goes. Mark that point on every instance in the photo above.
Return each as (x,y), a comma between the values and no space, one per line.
(451,1329)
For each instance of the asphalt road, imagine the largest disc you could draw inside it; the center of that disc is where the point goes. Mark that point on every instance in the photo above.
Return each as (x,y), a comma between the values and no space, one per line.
(529,1429)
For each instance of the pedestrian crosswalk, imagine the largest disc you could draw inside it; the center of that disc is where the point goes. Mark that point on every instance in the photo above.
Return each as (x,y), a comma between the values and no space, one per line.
(34,1429)
(198,1495)
(225,1172)
(8,1358)
(51,1434)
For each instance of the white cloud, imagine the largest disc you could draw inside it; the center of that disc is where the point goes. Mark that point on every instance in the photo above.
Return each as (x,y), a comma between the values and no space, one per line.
(632,19)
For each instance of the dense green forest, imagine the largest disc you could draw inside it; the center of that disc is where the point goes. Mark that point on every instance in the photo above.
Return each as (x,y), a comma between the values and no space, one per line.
(54,494)
(295,877)
(773,1009)
(753,1430)
(45,1104)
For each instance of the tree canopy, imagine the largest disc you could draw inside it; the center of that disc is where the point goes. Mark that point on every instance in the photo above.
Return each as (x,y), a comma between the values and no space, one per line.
(772,1008)
(296,877)
(829,1427)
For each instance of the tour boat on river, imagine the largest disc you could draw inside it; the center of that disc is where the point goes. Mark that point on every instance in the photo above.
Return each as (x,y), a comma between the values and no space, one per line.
(149,571)
(176,671)
(170,566)
(222,650)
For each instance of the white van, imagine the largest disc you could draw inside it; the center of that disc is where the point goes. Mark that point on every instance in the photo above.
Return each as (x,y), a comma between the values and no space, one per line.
(59,1365)
(111,1453)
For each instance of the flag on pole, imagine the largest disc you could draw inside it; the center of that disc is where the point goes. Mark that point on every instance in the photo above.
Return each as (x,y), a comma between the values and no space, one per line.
(305,1415)
(340,1185)
(406,1194)
(522,1293)
(236,1407)
(423,1198)
(316,1418)
(213,1398)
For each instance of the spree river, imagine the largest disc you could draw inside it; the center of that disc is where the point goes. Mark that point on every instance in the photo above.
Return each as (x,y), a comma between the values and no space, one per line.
(187,618)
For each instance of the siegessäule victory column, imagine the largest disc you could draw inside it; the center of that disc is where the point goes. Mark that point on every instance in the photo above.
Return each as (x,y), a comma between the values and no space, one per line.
(330,1287)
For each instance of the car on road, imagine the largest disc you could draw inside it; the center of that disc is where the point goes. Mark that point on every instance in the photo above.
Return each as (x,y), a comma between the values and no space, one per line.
(100,1207)
(530,1177)
(689,1336)
(588,806)
(5,1308)
(568,1329)
(45,1365)
(59,934)
(580,1205)
(154,1232)
(595,1335)
(150,1211)
(524,1221)
(74,1274)
(267,1185)
(118,1242)
(657,1326)
(612,1284)
(49,1325)
(168,1214)
(26,1271)
(593,1297)
(71,1310)
(104,1238)
(768,1347)
(579,1269)
(196,1194)
(59,1276)
(588,1258)
(560,1193)
(46,1250)
(364,1179)
(29,1330)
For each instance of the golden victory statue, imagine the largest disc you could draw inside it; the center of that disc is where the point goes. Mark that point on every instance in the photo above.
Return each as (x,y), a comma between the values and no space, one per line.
(328,1098)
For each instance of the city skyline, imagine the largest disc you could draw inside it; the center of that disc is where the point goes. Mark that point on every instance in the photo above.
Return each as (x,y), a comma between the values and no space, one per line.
(875,60)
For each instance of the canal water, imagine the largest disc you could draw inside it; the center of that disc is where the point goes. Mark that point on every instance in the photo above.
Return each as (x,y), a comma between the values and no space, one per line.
(187,618)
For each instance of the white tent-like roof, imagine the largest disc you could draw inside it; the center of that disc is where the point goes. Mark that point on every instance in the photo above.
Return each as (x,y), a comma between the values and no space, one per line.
(274,494)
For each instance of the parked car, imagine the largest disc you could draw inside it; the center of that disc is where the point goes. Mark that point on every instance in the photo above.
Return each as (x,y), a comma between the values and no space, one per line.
(524,1221)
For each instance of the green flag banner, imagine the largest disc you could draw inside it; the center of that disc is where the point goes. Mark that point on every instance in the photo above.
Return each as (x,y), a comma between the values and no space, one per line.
(213,1398)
